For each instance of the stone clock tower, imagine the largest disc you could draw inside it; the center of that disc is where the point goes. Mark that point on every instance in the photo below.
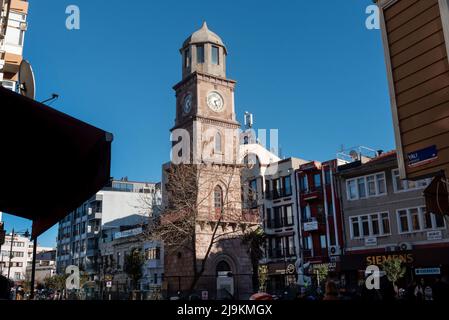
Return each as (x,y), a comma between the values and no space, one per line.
(205,109)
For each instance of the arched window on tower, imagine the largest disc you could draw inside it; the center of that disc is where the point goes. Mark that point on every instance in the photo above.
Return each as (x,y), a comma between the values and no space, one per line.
(218,144)
(218,199)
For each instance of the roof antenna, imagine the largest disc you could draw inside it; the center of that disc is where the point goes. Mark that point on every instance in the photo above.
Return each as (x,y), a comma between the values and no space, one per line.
(54,97)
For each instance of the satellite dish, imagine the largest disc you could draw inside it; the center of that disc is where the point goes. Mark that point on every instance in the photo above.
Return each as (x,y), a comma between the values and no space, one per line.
(354,155)
(26,80)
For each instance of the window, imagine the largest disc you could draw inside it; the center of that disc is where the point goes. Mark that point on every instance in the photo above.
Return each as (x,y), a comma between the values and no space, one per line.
(308,243)
(365,226)
(218,142)
(278,217)
(215,55)
(361,187)
(417,219)
(200,53)
(290,245)
(269,218)
(187,58)
(303,184)
(404,185)
(253,190)
(327,176)
(368,186)
(352,189)
(372,225)
(287,186)
(375,225)
(317,180)
(277,188)
(403,221)
(153,253)
(218,198)
(288,215)
(323,241)
(306,213)
(414,213)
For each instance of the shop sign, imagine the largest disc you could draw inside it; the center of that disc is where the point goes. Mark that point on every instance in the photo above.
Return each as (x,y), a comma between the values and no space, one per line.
(371,241)
(108,284)
(379,259)
(128,233)
(434,235)
(291,269)
(331,266)
(311,226)
(427,271)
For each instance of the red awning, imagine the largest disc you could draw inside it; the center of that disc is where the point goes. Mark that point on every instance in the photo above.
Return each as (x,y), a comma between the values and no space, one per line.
(50,163)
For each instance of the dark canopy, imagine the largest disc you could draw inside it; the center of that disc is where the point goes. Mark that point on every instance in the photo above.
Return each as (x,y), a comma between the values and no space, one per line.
(50,163)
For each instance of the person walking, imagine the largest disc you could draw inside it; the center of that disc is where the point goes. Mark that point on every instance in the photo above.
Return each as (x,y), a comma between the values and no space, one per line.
(5,288)
(419,290)
(331,292)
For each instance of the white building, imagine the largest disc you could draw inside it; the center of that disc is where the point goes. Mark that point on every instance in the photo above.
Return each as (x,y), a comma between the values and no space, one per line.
(117,207)
(13,25)
(22,256)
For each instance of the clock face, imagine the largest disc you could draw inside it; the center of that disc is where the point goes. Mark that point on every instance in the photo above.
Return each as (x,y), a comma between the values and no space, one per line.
(187,103)
(215,101)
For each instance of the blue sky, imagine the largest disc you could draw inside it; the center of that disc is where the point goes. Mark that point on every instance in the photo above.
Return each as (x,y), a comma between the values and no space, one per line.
(308,68)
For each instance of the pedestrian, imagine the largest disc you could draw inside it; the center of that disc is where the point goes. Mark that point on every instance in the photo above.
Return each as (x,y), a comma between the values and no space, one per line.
(428,294)
(441,290)
(331,293)
(419,290)
(5,288)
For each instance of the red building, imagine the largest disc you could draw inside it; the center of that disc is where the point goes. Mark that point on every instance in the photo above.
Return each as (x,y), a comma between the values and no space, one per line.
(320,227)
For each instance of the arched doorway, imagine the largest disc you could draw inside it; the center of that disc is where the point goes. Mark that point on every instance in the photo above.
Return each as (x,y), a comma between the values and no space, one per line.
(225,281)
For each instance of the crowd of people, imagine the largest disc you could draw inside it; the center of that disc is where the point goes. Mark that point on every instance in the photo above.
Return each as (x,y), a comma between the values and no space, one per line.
(421,290)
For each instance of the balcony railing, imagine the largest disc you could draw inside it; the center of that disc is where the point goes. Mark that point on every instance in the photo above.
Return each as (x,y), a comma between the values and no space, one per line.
(278,223)
(277,194)
(278,253)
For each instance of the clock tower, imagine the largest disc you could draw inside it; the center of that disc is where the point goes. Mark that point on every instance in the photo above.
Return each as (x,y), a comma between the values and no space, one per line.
(205,110)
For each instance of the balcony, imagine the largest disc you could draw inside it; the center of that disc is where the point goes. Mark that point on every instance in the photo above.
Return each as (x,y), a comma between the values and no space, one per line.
(19,6)
(278,194)
(312,194)
(279,253)
(12,62)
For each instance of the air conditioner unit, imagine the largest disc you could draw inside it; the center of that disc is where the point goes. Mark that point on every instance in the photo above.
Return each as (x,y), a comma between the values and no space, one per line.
(391,249)
(334,250)
(405,246)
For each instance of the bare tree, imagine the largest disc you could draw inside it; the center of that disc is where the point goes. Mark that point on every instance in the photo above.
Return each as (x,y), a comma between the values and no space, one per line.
(200,198)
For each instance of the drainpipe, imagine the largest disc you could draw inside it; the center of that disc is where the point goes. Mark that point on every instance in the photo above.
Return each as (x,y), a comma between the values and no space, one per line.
(298,217)
(337,240)
(326,211)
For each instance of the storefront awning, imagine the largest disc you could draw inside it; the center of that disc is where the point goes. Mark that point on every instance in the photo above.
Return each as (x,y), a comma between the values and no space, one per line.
(50,163)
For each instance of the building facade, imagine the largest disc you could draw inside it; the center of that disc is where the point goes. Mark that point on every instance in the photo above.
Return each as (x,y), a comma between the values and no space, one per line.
(45,266)
(112,270)
(115,208)
(386,217)
(321,230)
(281,223)
(17,258)
(13,25)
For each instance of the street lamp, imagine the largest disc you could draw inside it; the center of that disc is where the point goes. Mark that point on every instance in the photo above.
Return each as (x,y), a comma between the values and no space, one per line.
(11,256)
